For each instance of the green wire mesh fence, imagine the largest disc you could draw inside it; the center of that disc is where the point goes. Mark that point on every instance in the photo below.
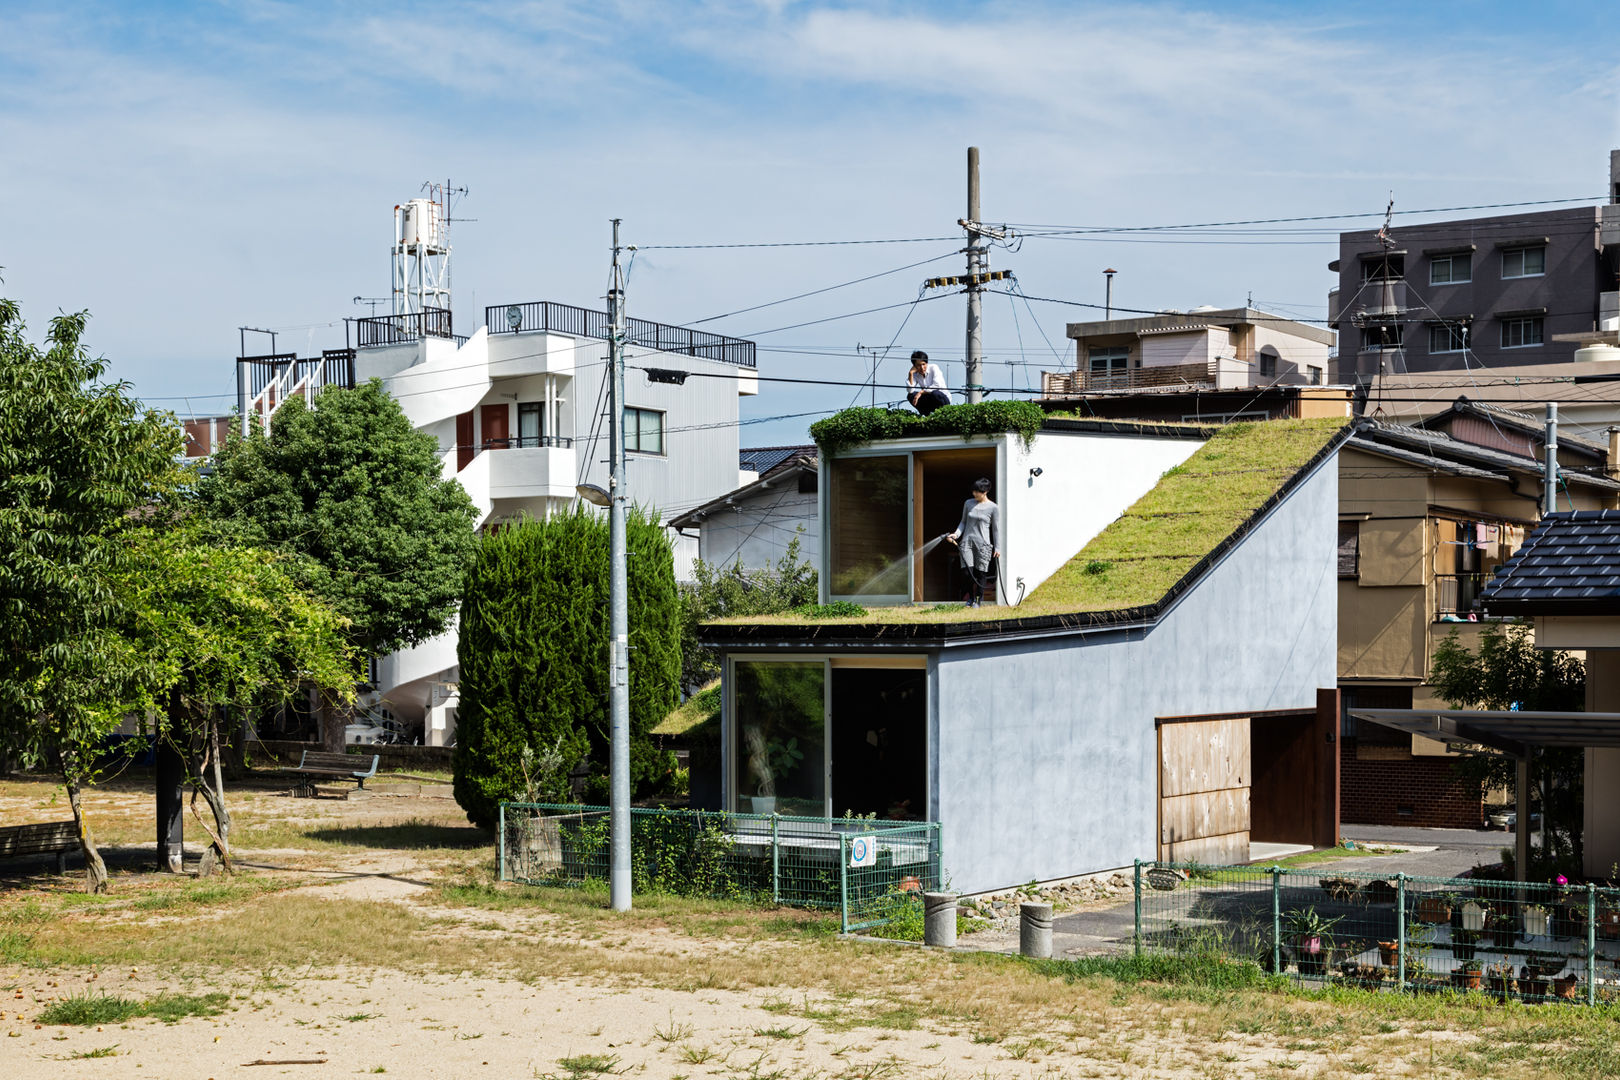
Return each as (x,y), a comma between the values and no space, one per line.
(867,870)
(1527,941)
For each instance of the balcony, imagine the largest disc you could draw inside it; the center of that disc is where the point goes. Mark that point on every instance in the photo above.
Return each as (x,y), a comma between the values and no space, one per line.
(541,468)
(1456,596)
(402,329)
(1070,383)
(543,316)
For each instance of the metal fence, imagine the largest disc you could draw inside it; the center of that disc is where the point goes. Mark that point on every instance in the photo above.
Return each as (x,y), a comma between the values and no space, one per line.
(1525,941)
(544,315)
(869,871)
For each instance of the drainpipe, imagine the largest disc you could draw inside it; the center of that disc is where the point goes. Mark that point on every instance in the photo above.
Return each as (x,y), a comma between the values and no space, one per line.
(1549,484)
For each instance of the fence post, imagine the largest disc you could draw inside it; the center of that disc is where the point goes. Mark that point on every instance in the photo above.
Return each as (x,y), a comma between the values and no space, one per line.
(1591,944)
(776,862)
(501,847)
(1276,920)
(843,881)
(1136,936)
(1400,932)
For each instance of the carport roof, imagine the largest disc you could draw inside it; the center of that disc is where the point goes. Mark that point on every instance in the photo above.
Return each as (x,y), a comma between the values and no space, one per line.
(1514,733)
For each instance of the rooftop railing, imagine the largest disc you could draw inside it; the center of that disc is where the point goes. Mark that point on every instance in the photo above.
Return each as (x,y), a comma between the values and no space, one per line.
(402,329)
(543,315)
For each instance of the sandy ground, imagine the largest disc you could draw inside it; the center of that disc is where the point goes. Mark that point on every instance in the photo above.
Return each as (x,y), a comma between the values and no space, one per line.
(346,1021)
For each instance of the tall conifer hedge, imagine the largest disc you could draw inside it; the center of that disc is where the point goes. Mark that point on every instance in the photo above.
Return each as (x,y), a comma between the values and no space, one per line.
(534,655)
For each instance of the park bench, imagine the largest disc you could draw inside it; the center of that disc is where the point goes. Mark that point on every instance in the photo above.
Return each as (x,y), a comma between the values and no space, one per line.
(315,765)
(47,838)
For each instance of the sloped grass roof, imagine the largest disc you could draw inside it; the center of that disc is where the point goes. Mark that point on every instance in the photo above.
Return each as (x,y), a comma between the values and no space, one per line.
(1143,553)
(701,706)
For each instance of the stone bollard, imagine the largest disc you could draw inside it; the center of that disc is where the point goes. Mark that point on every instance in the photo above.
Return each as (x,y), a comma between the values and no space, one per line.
(939,919)
(1035,930)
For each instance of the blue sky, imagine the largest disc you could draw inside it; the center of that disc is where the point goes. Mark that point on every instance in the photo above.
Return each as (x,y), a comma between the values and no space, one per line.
(181,169)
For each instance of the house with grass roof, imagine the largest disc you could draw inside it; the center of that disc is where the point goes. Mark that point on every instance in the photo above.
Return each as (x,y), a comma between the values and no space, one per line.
(1151,679)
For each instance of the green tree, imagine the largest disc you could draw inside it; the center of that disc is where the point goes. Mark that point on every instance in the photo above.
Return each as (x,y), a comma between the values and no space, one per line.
(81,462)
(726,592)
(350,485)
(1509,672)
(534,652)
(227,626)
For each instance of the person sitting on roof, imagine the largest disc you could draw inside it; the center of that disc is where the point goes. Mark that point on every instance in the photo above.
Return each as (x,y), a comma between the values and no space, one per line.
(928,391)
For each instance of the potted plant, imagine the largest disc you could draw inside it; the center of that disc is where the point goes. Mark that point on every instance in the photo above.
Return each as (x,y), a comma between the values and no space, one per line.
(1532,986)
(1499,979)
(1463,943)
(1434,908)
(1387,952)
(1503,927)
(1308,931)
(768,761)
(1467,977)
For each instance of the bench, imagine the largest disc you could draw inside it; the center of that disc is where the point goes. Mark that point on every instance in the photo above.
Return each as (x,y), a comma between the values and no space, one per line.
(48,838)
(316,765)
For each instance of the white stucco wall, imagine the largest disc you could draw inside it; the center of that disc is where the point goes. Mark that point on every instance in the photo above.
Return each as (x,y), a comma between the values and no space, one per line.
(1087,480)
(758,529)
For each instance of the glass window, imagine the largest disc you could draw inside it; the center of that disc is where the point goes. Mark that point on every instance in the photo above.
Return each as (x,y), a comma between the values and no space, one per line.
(1268,363)
(644,431)
(1519,333)
(868,531)
(779,755)
(1524,262)
(1109,359)
(1450,337)
(1451,269)
(1349,549)
(530,430)
(1381,267)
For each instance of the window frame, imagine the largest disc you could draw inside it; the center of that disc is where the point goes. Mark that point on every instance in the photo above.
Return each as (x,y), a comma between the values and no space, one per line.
(1526,321)
(1450,263)
(536,409)
(1521,252)
(1350,533)
(632,431)
(1456,336)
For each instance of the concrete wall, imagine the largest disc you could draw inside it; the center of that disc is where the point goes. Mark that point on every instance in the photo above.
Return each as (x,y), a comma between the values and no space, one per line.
(1601,825)
(1045,755)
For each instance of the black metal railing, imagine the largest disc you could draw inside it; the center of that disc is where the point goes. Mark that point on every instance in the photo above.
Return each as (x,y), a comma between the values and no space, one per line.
(402,329)
(536,442)
(334,367)
(543,315)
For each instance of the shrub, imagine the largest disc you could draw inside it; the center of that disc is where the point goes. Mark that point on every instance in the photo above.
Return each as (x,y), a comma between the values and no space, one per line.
(534,658)
(852,427)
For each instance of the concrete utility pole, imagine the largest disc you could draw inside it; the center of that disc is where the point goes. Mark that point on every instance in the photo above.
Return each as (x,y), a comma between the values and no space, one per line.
(618,603)
(1549,482)
(1108,293)
(975,266)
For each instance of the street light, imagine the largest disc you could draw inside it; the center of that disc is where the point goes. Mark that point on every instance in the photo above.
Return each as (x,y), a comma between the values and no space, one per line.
(595,494)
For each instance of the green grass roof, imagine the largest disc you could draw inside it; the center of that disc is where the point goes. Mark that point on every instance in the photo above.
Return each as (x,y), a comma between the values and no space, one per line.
(1139,557)
(701,706)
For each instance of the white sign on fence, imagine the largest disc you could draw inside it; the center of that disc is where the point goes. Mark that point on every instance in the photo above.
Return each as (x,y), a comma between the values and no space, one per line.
(862,851)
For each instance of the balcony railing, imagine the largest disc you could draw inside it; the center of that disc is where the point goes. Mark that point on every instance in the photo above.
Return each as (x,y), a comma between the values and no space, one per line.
(271,380)
(1068,383)
(402,329)
(529,442)
(543,315)
(1457,595)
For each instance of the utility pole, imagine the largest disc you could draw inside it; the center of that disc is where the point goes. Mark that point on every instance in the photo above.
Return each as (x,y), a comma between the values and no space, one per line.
(1108,293)
(975,265)
(1549,482)
(618,603)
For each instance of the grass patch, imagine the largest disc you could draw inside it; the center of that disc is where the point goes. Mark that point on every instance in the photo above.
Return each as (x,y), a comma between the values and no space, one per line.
(585,1065)
(90,1009)
(1333,854)
(98,1052)
(691,712)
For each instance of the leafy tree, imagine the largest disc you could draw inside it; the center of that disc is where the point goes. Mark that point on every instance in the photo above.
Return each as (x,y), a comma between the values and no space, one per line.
(227,626)
(1509,672)
(534,655)
(80,463)
(717,593)
(350,485)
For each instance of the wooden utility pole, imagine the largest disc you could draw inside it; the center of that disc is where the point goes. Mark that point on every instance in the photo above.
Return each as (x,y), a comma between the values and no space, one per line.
(975,266)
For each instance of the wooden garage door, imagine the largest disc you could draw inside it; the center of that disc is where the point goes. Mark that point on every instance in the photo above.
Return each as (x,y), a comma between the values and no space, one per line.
(1204,776)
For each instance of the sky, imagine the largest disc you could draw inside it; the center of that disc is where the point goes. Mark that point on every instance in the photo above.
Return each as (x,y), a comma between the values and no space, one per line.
(182,169)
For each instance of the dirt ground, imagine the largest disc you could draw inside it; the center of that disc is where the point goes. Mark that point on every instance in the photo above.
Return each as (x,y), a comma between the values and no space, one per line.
(364,935)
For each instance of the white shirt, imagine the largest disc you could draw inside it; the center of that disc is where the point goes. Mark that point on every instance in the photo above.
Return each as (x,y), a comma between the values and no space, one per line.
(932,379)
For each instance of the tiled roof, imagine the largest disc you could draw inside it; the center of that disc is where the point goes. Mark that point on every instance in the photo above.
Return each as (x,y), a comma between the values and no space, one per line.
(762,459)
(1439,444)
(1569,566)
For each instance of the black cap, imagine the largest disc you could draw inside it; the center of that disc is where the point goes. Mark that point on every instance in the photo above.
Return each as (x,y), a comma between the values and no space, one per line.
(919,355)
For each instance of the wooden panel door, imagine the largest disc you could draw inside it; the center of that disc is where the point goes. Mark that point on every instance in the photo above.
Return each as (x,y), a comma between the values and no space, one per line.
(497,424)
(466,449)
(1204,791)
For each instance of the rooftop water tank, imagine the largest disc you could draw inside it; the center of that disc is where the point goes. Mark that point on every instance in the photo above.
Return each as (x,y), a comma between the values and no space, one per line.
(421,224)
(1598,351)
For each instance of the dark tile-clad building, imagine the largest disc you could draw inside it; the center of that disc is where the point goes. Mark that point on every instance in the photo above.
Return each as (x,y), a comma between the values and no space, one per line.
(1488,292)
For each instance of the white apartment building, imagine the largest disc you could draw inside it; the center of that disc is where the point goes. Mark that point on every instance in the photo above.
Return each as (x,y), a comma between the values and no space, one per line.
(519,410)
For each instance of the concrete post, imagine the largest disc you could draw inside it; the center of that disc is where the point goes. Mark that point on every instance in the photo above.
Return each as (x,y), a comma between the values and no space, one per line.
(1035,930)
(939,919)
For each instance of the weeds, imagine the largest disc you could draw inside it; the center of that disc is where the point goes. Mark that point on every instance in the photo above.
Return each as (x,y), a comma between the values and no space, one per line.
(581,1066)
(90,1009)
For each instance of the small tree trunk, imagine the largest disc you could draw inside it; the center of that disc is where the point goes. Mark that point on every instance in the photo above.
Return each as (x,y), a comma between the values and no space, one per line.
(210,784)
(95,871)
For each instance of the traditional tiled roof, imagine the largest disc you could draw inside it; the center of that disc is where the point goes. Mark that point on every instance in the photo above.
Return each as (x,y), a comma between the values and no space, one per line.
(762,459)
(1569,566)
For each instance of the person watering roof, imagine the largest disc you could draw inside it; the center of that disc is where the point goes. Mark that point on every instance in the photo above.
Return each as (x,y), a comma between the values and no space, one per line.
(978,538)
(928,390)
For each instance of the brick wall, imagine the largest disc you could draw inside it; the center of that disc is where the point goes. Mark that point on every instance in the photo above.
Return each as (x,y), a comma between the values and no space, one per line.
(1418,791)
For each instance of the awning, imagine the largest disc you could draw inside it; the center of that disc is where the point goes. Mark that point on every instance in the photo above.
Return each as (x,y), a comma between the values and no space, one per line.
(1512,733)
